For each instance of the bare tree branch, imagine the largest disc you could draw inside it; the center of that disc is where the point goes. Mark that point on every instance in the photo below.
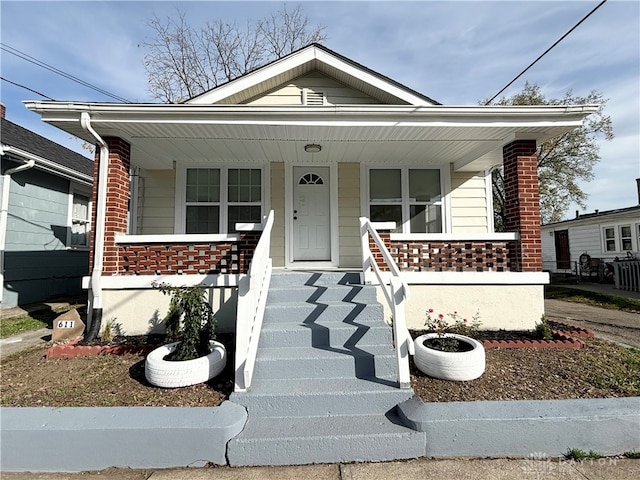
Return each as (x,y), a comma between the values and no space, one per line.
(182,62)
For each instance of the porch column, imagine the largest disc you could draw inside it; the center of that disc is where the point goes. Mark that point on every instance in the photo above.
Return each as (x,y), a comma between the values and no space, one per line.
(117,201)
(522,203)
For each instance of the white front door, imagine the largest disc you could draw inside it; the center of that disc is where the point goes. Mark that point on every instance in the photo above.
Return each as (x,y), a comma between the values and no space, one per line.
(311,214)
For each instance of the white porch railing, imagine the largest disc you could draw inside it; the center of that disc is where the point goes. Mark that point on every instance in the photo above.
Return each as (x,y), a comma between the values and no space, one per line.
(252,297)
(396,292)
(627,275)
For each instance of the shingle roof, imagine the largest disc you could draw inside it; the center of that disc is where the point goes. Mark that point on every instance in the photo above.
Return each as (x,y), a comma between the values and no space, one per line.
(587,216)
(18,137)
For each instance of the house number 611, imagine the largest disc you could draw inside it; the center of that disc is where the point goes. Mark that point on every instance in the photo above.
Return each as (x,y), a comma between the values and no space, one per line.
(66,324)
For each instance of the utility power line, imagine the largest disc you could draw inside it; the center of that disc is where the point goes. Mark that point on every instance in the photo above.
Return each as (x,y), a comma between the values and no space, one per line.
(546,51)
(27,88)
(46,66)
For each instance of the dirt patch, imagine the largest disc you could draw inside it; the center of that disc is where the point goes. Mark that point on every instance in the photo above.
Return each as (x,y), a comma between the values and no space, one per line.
(599,370)
(29,379)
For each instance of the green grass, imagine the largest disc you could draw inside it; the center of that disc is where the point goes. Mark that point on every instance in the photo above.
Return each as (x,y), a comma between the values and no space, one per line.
(617,369)
(610,302)
(632,454)
(15,325)
(580,455)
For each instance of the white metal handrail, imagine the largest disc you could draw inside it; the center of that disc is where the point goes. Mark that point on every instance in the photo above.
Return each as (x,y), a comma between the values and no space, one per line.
(252,298)
(396,293)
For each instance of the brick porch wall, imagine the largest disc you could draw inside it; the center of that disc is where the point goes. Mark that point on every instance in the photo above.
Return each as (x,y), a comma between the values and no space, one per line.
(187,259)
(445,256)
(474,256)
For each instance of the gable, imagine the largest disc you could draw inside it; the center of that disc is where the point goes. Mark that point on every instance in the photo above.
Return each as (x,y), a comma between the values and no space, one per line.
(283,71)
(315,89)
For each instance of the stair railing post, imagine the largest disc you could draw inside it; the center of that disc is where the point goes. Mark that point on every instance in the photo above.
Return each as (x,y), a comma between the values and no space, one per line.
(404,344)
(243,326)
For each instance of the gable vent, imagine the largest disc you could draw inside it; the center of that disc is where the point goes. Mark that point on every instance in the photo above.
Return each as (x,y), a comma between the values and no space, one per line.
(312,98)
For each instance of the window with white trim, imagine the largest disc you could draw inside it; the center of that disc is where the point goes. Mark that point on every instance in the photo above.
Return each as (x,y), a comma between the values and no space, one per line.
(218,198)
(80,221)
(410,197)
(626,240)
(609,239)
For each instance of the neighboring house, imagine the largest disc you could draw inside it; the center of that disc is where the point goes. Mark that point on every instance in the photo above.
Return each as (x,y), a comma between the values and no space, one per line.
(45,218)
(589,244)
(321,141)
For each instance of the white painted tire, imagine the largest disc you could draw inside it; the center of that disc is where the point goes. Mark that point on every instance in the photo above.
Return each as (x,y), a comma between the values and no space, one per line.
(458,366)
(166,374)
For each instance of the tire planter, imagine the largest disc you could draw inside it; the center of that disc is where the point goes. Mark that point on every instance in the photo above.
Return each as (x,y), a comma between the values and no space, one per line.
(166,374)
(458,366)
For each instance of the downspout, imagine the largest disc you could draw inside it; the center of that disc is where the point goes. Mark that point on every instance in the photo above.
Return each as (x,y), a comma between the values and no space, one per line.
(95,282)
(4,212)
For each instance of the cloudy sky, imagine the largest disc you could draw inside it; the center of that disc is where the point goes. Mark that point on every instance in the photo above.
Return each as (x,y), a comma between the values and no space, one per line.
(457,53)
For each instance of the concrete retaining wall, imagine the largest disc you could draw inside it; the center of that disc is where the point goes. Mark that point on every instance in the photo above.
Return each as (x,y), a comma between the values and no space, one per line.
(519,428)
(77,439)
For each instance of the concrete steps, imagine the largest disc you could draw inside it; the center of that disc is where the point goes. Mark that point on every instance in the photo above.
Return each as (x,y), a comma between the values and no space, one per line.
(325,384)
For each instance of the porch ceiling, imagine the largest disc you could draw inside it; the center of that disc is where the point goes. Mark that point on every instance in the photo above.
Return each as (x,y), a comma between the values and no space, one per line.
(469,137)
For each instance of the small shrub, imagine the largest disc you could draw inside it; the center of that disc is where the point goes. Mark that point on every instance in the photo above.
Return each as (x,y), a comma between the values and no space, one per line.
(632,454)
(543,329)
(189,321)
(111,330)
(107,333)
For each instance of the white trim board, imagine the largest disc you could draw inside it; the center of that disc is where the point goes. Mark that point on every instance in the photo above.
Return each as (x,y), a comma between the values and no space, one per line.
(138,282)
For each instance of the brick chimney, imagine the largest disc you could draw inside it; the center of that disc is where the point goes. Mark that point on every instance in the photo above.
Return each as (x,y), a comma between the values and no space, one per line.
(3,110)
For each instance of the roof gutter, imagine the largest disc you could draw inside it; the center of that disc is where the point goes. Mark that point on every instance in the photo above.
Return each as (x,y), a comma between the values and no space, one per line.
(137,112)
(95,283)
(4,209)
(50,166)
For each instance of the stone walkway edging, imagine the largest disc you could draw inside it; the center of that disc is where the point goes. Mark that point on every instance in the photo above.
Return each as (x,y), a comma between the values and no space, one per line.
(564,337)
(607,426)
(561,340)
(95,438)
(71,350)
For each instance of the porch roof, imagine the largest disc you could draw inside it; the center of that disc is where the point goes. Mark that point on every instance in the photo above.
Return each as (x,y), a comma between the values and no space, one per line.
(470,137)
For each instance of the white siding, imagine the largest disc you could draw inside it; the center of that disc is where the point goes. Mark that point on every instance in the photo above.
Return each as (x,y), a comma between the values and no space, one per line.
(349,213)
(277,205)
(335,93)
(468,203)
(156,205)
(585,236)
(584,239)
(548,250)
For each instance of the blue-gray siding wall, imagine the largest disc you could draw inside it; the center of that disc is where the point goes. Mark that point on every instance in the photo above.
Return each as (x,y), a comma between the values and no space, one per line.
(37,263)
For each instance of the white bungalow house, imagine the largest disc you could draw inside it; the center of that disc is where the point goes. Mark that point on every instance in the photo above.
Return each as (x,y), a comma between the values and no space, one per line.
(183,190)
(602,246)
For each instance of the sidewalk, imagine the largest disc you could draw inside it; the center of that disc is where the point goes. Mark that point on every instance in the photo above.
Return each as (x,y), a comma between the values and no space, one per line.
(423,469)
(612,325)
(606,288)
